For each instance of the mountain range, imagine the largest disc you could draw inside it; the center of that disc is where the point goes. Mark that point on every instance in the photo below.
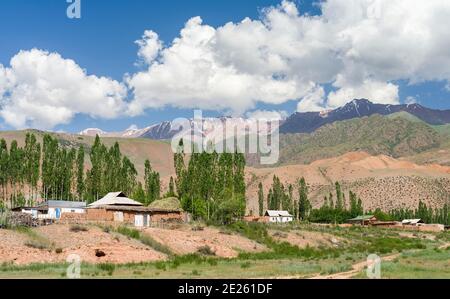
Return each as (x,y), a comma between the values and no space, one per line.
(300,122)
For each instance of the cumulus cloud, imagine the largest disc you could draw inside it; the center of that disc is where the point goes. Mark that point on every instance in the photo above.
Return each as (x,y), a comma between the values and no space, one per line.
(42,90)
(267,115)
(411,100)
(360,47)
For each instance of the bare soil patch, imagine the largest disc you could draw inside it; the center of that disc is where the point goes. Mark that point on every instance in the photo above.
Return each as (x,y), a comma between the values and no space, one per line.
(184,240)
(62,243)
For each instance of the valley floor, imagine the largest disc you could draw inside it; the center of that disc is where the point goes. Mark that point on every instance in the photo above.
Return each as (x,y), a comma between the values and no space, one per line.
(237,251)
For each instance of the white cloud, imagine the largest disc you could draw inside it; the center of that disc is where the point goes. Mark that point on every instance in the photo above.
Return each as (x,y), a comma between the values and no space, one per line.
(267,115)
(42,90)
(149,46)
(378,92)
(190,74)
(314,101)
(360,47)
(411,100)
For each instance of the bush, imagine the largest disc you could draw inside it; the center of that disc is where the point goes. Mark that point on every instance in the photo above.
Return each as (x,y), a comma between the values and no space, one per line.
(36,244)
(206,250)
(107,267)
(78,228)
(149,241)
(129,232)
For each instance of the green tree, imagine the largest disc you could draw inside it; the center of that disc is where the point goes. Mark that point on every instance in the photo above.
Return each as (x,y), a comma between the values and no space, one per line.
(304,204)
(261,199)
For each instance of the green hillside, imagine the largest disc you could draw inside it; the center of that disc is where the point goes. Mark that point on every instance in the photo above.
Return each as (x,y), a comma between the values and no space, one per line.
(396,135)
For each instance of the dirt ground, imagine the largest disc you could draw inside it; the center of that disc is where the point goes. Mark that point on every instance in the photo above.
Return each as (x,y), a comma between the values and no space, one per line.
(117,248)
(184,241)
(306,238)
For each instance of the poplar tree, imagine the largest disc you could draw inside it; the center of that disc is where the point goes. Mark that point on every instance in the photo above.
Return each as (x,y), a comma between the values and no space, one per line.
(304,204)
(261,199)
(80,173)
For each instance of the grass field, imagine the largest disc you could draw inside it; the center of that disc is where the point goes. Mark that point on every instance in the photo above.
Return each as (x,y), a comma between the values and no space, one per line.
(417,256)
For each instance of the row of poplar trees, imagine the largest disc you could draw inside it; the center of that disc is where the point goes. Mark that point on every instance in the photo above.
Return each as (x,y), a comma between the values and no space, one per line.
(211,186)
(53,171)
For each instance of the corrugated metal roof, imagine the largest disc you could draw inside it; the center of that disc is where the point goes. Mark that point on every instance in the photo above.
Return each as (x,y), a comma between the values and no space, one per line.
(115,199)
(63,204)
(140,209)
(273,213)
(412,221)
(360,218)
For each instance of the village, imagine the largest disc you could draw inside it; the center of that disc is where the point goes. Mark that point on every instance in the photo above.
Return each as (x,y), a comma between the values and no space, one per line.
(117,208)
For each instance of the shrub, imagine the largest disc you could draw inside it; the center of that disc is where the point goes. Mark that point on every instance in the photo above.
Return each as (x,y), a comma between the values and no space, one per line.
(206,250)
(245,265)
(78,228)
(196,228)
(129,232)
(149,241)
(58,250)
(107,267)
(36,244)
(160,266)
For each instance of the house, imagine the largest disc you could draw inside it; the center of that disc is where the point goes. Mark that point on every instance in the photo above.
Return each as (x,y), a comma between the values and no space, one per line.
(117,207)
(413,222)
(53,209)
(363,220)
(56,208)
(279,216)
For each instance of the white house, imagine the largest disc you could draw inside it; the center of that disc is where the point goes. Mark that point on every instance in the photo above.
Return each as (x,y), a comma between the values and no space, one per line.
(53,209)
(279,216)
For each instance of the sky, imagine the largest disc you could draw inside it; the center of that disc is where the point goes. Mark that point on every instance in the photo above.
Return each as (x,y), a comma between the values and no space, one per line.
(135,63)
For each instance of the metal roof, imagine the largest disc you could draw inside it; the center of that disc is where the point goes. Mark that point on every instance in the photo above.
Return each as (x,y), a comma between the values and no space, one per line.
(115,199)
(273,213)
(63,204)
(361,218)
(139,209)
(412,221)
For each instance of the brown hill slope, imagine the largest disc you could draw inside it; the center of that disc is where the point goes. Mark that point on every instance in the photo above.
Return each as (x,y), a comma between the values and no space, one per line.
(380,181)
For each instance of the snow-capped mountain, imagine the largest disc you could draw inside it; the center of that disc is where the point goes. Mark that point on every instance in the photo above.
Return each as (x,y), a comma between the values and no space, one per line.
(310,121)
(306,122)
(206,127)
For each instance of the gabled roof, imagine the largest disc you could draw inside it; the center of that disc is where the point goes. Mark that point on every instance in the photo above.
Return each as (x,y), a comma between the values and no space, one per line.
(273,213)
(115,199)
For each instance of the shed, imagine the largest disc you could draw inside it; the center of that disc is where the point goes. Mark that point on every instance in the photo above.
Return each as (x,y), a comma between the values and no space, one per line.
(414,222)
(363,220)
(54,209)
(279,216)
(117,207)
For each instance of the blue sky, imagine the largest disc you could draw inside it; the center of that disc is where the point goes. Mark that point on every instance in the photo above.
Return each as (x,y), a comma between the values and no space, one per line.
(103,43)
